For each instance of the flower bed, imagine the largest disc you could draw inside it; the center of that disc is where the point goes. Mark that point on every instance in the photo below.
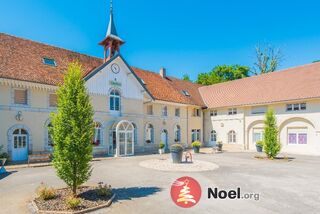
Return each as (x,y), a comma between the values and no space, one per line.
(89,198)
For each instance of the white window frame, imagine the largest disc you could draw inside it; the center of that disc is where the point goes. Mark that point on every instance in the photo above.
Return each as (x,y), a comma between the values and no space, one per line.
(232,137)
(296,107)
(114,96)
(195,135)
(213,136)
(213,113)
(232,111)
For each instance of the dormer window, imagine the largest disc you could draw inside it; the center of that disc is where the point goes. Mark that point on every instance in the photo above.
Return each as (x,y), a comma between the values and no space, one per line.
(48,61)
(185,93)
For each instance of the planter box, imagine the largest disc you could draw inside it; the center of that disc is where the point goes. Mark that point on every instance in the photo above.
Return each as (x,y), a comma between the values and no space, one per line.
(161,151)
(196,149)
(259,148)
(176,156)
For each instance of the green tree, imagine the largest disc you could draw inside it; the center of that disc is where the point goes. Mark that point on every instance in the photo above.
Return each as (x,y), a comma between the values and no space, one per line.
(72,130)
(186,77)
(268,59)
(223,73)
(272,145)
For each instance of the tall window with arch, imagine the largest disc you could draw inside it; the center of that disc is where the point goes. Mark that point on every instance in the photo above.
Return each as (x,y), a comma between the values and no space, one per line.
(177,133)
(232,138)
(149,133)
(97,137)
(114,100)
(213,136)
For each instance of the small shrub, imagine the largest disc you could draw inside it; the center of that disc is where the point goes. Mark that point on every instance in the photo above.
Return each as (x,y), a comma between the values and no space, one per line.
(73,202)
(260,143)
(46,193)
(3,154)
(161,145)
(104,190)
(196,144)
(176,148)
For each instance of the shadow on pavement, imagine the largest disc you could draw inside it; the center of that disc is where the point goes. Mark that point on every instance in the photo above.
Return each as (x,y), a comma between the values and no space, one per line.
(4,175)
(134,192)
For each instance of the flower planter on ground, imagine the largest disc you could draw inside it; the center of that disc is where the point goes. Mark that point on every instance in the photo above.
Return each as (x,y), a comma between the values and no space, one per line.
(176,153)
(196,146)
(219,146)
(259,146)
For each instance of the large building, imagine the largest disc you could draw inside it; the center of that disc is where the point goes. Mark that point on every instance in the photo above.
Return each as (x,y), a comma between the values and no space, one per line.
(136,109)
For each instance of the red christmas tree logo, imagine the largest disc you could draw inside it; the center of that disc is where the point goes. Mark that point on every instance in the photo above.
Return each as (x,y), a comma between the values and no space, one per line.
(185,192)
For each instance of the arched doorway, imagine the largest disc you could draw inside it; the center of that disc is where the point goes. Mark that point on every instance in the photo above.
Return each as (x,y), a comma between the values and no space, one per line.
(164,138)
(122,139)
(20,145)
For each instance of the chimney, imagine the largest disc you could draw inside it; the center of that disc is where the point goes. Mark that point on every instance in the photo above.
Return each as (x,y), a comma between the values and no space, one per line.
(163,72)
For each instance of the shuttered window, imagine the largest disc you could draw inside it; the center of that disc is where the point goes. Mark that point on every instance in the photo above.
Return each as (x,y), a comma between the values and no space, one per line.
(21,96)
(52,100)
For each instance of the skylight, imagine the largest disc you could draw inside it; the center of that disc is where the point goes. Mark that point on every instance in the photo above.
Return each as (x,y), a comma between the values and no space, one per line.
(185,93)
(48,61)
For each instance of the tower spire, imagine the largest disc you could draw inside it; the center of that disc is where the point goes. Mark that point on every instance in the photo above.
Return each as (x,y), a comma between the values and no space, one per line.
(112,41)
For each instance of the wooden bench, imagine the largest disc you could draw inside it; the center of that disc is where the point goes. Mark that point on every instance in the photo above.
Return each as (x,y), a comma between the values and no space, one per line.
(39,157)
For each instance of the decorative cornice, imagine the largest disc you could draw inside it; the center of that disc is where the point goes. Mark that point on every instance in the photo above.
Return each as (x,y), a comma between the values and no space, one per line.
(26,84)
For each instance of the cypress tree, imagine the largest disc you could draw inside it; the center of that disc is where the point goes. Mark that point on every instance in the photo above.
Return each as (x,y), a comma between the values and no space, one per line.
(272,145)
(72,130)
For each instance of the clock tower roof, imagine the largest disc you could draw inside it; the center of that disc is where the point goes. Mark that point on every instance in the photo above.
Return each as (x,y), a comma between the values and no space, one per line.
(112,41)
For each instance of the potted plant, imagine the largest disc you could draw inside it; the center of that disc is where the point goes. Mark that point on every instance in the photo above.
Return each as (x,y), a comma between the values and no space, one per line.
(196,146)
(176,152)
(161,148)
(219,146)
(3,156)
(259,145)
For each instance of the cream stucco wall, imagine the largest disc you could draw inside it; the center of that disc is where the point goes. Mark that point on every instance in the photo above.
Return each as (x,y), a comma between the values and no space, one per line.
(245,123)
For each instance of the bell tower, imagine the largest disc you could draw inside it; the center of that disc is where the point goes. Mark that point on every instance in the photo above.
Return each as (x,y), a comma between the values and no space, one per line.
(112,42)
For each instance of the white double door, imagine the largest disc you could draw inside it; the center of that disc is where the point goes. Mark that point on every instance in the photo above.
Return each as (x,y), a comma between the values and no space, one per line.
(20,147)
(125,143)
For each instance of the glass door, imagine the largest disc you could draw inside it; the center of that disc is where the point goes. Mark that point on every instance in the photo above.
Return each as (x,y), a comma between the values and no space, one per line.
(122,143)
(129,143)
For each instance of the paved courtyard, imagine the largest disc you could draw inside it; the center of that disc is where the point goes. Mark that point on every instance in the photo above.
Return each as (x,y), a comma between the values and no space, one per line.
(284,187)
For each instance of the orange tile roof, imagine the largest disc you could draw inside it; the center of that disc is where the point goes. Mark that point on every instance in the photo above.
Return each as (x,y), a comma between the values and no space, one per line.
(21,59)
(296,83)
(170,88)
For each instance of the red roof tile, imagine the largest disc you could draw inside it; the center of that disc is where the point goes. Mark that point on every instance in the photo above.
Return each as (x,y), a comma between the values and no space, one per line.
(301,82)
(21,59)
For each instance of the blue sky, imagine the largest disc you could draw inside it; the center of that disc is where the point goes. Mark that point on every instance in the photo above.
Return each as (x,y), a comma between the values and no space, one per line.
(184,36)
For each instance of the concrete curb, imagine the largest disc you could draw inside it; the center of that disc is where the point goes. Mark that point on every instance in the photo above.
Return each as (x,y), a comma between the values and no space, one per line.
(107,204)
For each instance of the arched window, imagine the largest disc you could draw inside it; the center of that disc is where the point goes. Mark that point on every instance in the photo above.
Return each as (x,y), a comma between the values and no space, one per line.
(114,100)
(97,134)
(213,136)
(149,133)
(232,137)
(177,133)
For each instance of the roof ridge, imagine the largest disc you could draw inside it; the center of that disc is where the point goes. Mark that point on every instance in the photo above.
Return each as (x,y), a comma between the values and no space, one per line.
(173,77)
(53,46)
(261,75)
